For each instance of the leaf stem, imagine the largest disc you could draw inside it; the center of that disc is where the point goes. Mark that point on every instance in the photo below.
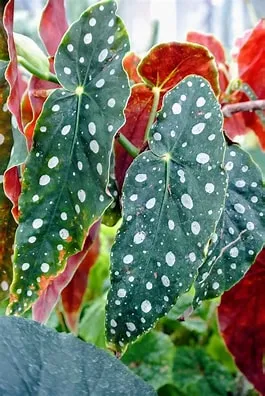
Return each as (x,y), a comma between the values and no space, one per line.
(33,70)
(152,116)
(127,145)
(251,105)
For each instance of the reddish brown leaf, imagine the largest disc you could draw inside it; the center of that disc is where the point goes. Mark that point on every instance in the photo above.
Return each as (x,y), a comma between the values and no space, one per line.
(242,322)
(216,48)
(251,70)
(235,126)
(12,187)
(51,289)
(239,42)
(130,63)
(53,25)
(137,114)
(72,295)
(13,77)
(26,109)
(251,60)
(167,64)
(38,92)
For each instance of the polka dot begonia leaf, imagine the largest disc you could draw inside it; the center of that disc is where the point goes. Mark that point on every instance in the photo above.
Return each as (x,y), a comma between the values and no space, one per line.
(240,233)
(66,175)
(173,197)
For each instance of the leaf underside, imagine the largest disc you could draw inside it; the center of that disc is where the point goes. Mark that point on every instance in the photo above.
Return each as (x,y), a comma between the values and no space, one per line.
(240,233)
(43,361)
(64,183)
(172,199)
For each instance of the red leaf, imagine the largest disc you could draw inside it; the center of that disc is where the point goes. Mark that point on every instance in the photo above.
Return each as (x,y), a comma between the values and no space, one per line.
(239,42)
(51,288)
(130,63)
(167,64)
(216,48)
(13,77)
(251,70)
(242,322)
(251,60)
(12,187)
(53,25)
(235,126)
(137,114)
(72,295)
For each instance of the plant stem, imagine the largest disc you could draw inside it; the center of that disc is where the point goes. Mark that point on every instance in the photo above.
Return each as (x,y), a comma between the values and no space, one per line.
(33,70)
(152,117)
(127,145)
(251,105)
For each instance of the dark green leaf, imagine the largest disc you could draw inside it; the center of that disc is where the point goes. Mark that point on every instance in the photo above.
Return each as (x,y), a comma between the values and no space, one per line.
(240,233)
(37,360)
(66,175)
(196,374)
(151,358)
(172,200)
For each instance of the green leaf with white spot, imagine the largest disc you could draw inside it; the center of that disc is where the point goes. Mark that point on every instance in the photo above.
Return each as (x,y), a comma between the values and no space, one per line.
(240,233)
(66,175)
(113,213)
(172,200)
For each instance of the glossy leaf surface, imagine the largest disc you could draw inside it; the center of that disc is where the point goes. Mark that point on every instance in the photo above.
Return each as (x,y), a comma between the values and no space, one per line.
(180,60)
(240,233)
(64,184)
(47,362)
(242,322)
(172,200)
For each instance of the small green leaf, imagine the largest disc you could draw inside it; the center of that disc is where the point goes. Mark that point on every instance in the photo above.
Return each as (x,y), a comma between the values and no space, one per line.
(64,183)
(152,358)
(36,360)
(195,373)
(240,233)
(172,200)
(91,326)
(19,150)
